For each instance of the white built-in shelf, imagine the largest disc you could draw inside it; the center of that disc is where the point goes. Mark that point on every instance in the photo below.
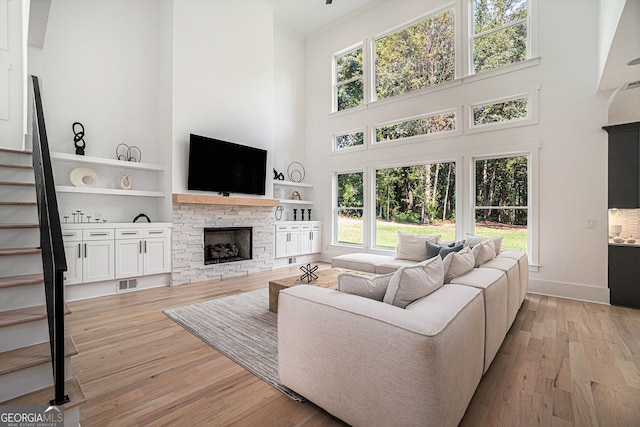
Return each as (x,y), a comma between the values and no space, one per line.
(66,157)
(292,184)
(295,202)
(108,191)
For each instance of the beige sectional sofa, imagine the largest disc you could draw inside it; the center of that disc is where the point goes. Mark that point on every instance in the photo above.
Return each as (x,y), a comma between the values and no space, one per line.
(370,363)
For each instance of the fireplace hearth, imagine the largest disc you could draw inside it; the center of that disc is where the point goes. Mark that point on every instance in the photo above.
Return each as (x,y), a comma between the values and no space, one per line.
(227,244)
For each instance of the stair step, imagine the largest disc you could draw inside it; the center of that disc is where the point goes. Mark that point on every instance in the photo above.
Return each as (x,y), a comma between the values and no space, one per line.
(72,388)
(14,166)
(19,251)
(27,357)
(25,315)
(10,226)
(19,184)
(27,279)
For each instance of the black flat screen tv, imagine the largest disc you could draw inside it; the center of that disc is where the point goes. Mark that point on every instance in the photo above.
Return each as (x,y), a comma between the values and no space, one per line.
(226,167)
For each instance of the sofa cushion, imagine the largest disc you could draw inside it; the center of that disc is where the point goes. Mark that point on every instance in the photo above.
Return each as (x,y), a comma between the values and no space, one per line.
(411,283)
(413,246)
(472,240)
(458,263)
(366,286)
(483,252)
(360,261)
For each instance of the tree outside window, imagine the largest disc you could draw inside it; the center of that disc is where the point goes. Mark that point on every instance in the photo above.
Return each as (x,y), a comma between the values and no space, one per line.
(349,211)
(416,57)
(501,202)
(415,199)
(349,83)
(499,33)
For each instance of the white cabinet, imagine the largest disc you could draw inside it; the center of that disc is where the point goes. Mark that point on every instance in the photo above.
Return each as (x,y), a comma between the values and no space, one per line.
(89,255)
(142,252)
(298,238)
(97,253)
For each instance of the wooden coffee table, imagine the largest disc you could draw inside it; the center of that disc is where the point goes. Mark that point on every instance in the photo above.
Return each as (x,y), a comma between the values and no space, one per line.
(327,278)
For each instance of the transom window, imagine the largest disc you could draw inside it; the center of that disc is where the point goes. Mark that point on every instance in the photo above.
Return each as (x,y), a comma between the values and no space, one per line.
(503,111)
(348,88)
(416,57)
(499,33)
(349,140)
(432,124)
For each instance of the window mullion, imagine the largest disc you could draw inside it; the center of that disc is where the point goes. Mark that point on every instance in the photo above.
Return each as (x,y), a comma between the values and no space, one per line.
(497,29)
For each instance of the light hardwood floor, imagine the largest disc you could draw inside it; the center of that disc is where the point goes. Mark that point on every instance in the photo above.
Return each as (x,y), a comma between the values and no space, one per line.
(563,363)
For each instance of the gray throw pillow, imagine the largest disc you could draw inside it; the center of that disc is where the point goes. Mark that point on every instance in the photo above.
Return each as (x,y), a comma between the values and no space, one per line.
(448,249)
(434,249)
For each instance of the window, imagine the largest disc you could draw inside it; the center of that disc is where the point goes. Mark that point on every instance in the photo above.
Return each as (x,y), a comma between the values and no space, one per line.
(416,57)
(428,125)
(349,140)
(415,199)
(348,88)
(501,111)
(349,218)
(501,199)
(499,33)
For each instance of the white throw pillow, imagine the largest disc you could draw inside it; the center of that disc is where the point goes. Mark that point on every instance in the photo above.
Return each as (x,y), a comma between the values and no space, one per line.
(458,263)
(414,246)
(373,287)
(483,252)
(472,240)
(411,283)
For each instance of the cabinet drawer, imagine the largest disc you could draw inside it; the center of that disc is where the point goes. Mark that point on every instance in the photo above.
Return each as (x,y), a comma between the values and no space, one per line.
(98,234)
(128,233)
(72,235)
(155,232)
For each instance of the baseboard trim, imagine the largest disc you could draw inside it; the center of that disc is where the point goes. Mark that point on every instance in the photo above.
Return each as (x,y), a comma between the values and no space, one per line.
(573,291)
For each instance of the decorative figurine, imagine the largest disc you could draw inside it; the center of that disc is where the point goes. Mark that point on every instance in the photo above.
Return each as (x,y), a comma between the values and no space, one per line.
(301,214)
(295,214)
(308,273)
(78,138)
(309,214)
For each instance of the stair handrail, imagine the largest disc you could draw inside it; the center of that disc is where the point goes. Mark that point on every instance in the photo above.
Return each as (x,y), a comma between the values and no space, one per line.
(54,262)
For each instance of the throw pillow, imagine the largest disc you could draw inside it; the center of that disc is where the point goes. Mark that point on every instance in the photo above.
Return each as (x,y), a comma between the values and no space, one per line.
(411,283)
(483,252)
(433,249)
(373,287)
(458,263)
(472,240)
(448,249)
(413,246)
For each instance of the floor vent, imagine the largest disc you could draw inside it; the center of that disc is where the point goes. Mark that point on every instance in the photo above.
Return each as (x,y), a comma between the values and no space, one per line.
(124,285)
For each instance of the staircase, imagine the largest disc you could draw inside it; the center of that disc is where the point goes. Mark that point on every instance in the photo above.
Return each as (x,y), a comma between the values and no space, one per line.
(26,377)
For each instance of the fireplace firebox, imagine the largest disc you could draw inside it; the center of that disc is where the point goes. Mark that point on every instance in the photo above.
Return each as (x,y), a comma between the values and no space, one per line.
(227,244)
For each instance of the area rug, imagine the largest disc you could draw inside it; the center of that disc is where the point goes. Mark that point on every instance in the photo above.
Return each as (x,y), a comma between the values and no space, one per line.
(242,328)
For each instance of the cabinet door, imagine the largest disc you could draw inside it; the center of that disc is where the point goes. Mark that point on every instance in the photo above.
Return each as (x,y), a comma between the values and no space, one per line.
(156,256)
(97,261)
(73,254)
(315,245)
(293,245)
(282,238)
(129,258)
(624,173)
(624,276)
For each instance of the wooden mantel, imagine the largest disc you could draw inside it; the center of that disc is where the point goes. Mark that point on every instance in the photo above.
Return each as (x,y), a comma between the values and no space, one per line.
(221,200)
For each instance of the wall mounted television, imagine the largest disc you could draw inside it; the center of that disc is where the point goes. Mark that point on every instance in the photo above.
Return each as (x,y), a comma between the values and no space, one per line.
(225,167)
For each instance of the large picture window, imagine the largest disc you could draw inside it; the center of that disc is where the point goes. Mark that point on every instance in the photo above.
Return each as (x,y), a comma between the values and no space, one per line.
(499,33)
(416,57)
(349,209)
(501,199)
(418,199)
(349,86)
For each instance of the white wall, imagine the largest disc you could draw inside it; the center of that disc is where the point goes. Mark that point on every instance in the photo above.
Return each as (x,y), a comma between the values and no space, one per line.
(572,156)
(222,76)
(11,75)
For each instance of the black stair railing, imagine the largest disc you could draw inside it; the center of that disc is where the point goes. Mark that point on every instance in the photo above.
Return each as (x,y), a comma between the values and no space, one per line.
(54,263)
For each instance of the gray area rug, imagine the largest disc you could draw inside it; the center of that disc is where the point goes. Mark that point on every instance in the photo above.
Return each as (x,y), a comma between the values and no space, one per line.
(242,328)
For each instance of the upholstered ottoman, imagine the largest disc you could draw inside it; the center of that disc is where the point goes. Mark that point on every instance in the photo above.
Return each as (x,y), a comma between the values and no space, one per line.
(512,271)
(493,284)
(523,266)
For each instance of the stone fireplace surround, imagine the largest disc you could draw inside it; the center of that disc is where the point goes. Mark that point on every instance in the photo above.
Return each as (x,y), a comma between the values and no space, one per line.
(189,222)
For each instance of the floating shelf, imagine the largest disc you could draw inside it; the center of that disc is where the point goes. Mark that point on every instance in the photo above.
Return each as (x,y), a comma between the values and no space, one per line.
(221,200)
(292,184)
(65,157)
(108,191)
(294,202)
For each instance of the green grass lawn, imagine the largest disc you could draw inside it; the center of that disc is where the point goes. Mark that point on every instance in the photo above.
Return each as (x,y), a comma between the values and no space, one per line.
(387,233)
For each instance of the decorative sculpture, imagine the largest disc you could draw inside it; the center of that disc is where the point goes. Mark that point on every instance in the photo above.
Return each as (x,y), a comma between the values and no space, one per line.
(309,273)
(78,138)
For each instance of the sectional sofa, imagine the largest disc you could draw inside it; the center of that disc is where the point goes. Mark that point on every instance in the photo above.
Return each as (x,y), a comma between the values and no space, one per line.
(375,359)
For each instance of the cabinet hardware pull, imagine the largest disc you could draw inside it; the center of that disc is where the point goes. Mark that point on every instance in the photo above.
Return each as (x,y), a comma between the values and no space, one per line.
(79,251)
(85,250)
(98,234)
(128,233)
(140,246)
(68,234)
(155,232)
(145,246)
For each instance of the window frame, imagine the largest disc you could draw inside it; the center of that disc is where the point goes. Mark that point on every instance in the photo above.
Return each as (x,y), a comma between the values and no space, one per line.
(336,208)
(531,118)
(531,49)
(361,147)
(416,138)
(363,76)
